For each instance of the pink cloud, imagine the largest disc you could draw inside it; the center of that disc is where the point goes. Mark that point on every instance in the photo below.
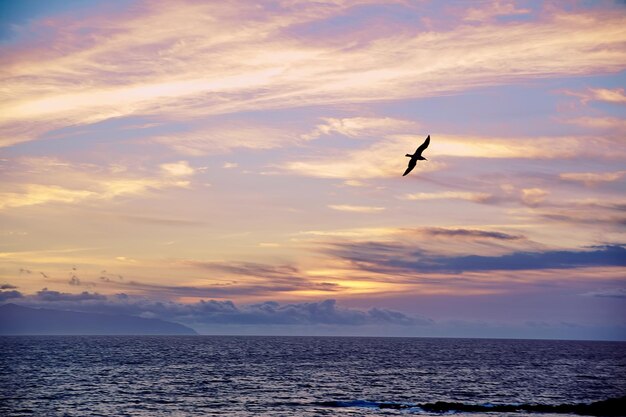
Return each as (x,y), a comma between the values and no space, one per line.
(197,59)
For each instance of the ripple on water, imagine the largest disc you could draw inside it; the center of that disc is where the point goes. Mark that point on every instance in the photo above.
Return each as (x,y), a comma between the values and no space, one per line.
(303,376)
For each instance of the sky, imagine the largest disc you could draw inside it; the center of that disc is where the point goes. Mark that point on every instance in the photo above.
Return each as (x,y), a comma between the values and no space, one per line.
(237,166)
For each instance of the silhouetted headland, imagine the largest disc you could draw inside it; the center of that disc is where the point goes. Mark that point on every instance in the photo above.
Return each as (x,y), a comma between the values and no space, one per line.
(20,320)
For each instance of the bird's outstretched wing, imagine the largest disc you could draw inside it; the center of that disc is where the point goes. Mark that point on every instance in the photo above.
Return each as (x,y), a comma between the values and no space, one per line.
(423,146)
(412,163)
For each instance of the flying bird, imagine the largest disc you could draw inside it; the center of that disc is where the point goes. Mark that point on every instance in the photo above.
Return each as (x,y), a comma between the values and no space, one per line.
(417,156)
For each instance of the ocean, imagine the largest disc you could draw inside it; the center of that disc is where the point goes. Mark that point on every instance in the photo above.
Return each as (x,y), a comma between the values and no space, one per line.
(306,376)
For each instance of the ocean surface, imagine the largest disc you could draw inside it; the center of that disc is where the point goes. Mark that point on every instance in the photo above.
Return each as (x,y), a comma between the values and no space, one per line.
(304,376)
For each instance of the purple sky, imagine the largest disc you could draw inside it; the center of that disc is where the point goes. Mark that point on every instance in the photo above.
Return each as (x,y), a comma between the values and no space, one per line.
(236,167)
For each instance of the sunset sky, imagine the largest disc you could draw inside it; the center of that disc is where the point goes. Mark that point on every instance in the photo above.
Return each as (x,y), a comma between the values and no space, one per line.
(236,166)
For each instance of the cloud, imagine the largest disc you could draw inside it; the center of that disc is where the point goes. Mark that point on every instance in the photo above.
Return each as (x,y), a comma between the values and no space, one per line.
(576,212)
(401,258)
(384,158)
(471,233)
(610,123)
(355,127)
(356,209)
(51,296)
(611,293)
(33,194)
(7,287)
(325,312)
(237,279)
(540,147)
(159,59)
(36,181)
(378,160)
(178,169)
(492,9)
(533,196)
(263,288)
(275,272)
(163,221)
(592,178)
(577,217)
(452,195)
(355,183)
(612,96)
(418,260)
(615,96)
(407,234)
(326,316)
(223,136)
(9,295)
(269,245)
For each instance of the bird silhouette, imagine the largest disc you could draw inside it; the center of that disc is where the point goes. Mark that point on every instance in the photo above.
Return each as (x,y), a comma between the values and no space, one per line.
(417,156)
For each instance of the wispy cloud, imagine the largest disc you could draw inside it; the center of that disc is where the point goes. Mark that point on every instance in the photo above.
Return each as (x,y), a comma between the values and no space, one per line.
(44,180)
(222,137)
(493,9)
(32,194)
(159,59)
(380,159)
(356,209)
(454,195)
(611,293)
(593,178)
(612,123)
(471,233)
(440,241)
(355,127)
(384,158)
(616,95)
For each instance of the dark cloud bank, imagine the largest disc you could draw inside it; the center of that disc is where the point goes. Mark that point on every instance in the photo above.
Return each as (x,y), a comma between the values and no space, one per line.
(387,258)
(312,318)
(325,312)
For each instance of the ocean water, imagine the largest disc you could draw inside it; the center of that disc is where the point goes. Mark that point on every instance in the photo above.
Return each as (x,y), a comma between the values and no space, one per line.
(303,376)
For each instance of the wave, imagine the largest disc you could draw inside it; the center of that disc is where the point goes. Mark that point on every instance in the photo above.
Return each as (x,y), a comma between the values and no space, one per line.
(610,407)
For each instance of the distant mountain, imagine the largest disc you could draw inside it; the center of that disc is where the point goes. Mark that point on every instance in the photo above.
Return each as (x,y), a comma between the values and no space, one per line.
(19,320)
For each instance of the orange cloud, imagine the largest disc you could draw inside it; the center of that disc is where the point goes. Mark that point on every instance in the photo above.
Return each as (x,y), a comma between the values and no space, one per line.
(356,209)
(48,180)
(455,195)
(385,157)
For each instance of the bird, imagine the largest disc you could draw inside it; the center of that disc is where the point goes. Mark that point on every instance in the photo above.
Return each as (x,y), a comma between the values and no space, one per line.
(417,156)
